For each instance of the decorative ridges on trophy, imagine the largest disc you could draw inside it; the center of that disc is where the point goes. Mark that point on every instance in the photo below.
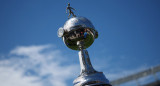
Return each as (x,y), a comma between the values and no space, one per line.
(94,79)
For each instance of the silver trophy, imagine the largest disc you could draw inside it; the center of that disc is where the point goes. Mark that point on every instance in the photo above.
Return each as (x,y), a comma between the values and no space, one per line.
(78,33)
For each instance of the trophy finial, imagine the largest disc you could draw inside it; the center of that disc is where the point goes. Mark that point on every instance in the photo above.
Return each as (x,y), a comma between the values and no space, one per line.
(69,8)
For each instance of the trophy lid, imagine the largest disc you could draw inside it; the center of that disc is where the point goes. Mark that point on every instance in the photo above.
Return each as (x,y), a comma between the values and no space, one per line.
(77,21)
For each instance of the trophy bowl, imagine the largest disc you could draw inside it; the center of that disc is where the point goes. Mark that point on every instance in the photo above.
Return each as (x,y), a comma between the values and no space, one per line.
(78,29)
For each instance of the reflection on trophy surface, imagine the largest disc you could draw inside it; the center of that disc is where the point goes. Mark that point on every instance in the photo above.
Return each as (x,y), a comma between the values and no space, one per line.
(79,29)
(78,33)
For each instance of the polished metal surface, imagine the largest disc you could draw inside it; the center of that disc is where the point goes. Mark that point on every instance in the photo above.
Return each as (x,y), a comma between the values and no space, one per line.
(60,32)
(78,33)
(88,75)
(85,64)
(75,22)
(97,78)
(75,29)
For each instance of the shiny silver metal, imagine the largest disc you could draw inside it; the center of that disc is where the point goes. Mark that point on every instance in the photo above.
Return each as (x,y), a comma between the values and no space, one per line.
(88,75)
(74,22)
(78,33)
(74,30)
(60,32)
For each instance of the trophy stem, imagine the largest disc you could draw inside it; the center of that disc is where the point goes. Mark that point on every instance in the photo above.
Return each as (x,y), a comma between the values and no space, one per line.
(85,64)
(88,75)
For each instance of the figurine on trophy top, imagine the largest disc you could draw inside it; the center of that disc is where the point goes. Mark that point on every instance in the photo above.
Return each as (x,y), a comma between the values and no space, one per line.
(70,10)
(78,33)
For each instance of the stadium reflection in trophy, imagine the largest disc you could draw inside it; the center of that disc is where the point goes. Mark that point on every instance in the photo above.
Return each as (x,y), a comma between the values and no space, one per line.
(78,33)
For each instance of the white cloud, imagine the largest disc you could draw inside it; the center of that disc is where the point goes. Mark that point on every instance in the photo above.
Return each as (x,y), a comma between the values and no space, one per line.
(36,66)
(43,65)
(11,77)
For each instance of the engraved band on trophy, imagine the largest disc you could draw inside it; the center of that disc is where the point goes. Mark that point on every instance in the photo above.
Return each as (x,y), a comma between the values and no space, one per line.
(78,33)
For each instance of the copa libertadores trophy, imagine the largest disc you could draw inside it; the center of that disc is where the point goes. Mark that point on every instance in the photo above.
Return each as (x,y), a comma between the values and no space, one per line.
(78,33)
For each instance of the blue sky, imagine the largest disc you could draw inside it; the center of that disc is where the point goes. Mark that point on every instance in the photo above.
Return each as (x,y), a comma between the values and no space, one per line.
(129,39)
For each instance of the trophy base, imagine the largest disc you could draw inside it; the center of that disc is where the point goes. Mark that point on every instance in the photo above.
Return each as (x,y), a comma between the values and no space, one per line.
(94,79)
